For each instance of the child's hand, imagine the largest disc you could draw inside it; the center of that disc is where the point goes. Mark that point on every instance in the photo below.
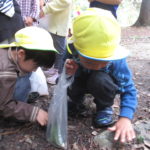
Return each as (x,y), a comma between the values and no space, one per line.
(42,117)
(29,21)
(71,67)
(41,15)
(124,130)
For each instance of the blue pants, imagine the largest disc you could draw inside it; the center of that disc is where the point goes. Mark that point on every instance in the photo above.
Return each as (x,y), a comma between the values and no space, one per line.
(22,88)
(60,45)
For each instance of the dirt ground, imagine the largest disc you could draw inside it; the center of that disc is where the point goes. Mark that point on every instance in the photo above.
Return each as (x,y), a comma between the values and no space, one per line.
(27,136)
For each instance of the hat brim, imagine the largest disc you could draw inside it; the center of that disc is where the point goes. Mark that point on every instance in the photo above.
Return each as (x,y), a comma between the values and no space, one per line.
(8,45)
(119,53)
(29,47)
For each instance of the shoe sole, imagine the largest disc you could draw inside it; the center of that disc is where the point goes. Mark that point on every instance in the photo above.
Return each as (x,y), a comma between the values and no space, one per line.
(103,126)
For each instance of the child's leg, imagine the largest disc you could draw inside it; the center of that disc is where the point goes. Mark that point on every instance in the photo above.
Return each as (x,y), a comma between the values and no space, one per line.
(102,87)
(76,94)
(78,88)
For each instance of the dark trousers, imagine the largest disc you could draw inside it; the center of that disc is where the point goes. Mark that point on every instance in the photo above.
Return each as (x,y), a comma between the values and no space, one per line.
(97,83)
(60,45)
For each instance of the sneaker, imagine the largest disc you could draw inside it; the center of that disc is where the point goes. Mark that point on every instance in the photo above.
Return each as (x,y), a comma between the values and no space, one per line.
(50,72)
(53,79)
(104,118)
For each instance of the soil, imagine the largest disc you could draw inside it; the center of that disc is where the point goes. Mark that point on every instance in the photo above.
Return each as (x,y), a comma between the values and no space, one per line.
(26,136)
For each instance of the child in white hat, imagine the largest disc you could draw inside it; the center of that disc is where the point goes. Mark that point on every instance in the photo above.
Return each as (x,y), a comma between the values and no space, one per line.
(33,48)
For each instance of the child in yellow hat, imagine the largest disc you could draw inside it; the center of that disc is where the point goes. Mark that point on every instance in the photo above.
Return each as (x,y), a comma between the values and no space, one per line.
(99,66)
(33,48)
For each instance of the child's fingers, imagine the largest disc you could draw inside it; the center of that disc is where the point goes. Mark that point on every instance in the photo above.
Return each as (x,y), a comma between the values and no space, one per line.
(130,135)
(112,128)
(69,66)
(123,136)
(117,135)
(133,134)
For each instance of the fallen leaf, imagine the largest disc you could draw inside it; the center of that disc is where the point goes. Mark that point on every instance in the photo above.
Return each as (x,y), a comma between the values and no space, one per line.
(71,127)
(94,133)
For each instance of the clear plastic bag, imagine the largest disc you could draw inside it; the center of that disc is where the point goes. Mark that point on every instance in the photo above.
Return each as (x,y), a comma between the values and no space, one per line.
(57,132)
(38,82)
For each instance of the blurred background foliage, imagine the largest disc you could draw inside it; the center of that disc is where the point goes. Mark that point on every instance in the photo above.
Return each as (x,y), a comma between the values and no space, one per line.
(127,12)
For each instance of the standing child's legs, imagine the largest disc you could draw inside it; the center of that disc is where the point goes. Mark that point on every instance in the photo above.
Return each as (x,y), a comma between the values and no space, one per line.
(60,45)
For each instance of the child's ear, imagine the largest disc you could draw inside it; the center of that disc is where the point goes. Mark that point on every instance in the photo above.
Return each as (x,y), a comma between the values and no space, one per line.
(21,53)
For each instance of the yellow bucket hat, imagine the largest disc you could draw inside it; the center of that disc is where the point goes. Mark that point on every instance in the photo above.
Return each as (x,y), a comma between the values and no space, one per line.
(32,38)
(96,35)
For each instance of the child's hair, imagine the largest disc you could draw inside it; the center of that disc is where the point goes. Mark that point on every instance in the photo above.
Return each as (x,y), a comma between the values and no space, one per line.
(42,58)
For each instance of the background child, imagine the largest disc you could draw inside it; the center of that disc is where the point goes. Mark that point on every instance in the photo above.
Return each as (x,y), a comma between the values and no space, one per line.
(99,67)
(33,48)
(10,24)
(111,5)
(30,10)
(59,12)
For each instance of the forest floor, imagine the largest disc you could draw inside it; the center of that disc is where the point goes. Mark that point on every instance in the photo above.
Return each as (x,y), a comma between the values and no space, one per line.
(27,136)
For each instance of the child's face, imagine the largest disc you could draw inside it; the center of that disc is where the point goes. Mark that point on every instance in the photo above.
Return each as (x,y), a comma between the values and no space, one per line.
(92,64)
(25,65)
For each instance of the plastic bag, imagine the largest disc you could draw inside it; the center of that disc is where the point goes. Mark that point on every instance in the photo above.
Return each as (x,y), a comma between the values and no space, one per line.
(58,121)
(38,82)
(45,22)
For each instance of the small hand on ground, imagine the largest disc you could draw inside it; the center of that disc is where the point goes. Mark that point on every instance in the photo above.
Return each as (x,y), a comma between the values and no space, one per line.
(123,130)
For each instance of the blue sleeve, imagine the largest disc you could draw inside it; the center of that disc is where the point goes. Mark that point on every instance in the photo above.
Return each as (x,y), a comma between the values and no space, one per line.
(123,77)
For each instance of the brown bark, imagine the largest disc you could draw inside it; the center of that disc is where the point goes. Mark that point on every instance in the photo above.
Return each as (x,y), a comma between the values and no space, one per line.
(144,17)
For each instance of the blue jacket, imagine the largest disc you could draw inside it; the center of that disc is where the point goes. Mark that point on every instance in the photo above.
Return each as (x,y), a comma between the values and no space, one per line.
(120,72)
(122,76)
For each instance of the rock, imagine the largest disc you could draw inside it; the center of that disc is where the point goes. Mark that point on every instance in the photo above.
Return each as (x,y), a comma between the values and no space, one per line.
(105,139)
(142,129)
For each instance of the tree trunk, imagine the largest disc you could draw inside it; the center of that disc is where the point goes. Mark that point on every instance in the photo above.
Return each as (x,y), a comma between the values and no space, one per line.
(144,17)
